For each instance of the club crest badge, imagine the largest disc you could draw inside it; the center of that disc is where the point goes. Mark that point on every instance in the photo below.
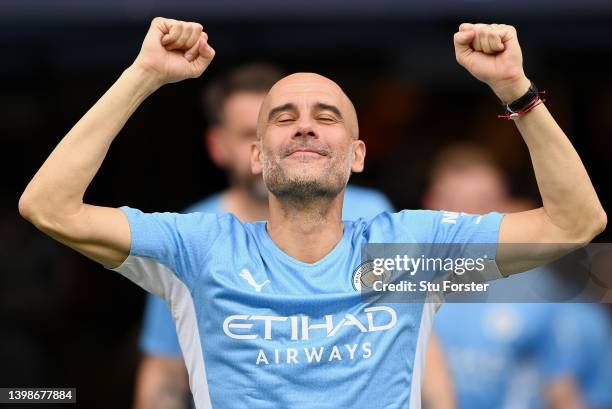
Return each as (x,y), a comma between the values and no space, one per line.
(364,276)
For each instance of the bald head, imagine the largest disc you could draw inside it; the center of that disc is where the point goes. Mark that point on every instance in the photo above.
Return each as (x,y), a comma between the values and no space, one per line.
(308,91)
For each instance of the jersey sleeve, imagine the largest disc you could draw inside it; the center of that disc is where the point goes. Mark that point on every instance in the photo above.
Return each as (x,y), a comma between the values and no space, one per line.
(167,248)
(443,234)
(431,226)
(158,335)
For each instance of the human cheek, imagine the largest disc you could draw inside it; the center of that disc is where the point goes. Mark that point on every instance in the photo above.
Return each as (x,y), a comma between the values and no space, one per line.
(276,140)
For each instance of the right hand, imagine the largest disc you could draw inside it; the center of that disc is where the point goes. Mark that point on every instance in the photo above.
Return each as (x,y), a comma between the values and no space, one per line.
(174,50)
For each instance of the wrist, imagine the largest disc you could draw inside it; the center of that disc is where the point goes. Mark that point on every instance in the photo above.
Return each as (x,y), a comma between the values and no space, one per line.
(512,90)
(143,80)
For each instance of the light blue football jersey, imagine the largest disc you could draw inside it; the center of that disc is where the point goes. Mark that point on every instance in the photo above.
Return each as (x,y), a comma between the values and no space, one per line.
(158,335)
(260,329)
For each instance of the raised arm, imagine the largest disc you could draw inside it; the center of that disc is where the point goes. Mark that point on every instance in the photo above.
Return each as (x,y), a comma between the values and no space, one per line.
(53,200)
(571,215)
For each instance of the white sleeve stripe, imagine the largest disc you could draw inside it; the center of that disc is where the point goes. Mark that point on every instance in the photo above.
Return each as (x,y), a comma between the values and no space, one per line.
(160,280)
(418,368)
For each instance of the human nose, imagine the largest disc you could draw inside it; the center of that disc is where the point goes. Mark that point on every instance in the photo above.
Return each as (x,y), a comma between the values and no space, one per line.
(305,129)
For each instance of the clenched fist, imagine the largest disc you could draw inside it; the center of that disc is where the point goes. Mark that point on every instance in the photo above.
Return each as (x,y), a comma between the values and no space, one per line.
(491,53)
(174,50)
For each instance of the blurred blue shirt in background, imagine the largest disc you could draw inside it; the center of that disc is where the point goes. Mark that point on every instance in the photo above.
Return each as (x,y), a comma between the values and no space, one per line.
(503,355)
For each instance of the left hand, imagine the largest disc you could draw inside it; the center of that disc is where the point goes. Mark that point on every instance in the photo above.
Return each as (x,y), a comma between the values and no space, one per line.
(491,53)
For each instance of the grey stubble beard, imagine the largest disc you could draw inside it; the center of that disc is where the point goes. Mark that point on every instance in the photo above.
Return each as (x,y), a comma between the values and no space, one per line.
(297,192)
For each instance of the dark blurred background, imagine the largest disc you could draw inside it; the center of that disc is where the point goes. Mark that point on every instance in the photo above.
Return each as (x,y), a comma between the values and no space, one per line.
(65,321)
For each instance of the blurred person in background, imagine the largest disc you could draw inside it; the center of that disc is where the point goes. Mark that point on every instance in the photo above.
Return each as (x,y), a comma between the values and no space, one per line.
(583,340)
(438,391)
(231,105)
(518,354)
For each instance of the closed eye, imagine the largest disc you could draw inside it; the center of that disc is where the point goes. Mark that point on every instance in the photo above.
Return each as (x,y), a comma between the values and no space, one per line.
(284,118)
(326,119)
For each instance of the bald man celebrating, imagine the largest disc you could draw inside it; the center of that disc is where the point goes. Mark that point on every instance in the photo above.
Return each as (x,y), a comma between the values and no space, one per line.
(268,314)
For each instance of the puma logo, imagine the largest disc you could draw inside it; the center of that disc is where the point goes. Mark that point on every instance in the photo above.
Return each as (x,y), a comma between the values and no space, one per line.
(246,274)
